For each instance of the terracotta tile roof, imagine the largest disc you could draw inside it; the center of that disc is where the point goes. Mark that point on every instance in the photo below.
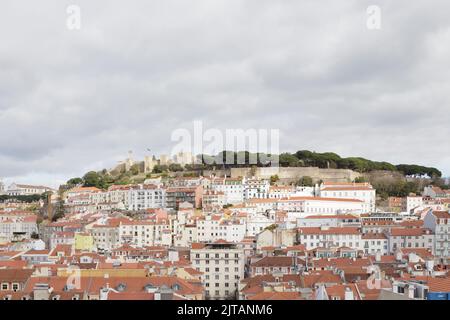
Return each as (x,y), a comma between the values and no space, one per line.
(355,188)
(441,214)
(34,252)
(341,262)
(421,252)
(439,284)
(85,189)
(15,275)
(397,232)
(330,230)
(276,261)
(367,293)
(130,296)
(320,277)
(13,264)
(339,291)
(332,183)
(412,223)
(319,199)
(92,285)
(65,248)
(193,271)
(374,236)
(277,296)
(335,216)
(196,246)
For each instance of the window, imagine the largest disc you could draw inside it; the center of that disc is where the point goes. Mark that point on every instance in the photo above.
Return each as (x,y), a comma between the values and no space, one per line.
(5,286)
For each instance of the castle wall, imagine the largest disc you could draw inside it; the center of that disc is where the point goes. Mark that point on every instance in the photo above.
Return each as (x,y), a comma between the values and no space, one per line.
(291,174)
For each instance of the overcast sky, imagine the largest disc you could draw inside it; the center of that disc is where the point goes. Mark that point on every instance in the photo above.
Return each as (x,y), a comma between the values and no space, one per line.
(76,100)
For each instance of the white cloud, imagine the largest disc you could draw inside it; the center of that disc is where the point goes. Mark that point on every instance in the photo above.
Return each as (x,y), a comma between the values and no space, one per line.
(71,101)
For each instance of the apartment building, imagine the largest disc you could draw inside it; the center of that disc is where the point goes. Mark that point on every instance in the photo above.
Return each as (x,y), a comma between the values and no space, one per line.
(214,227)
(412,202)
(325,237)
(399,238)
(222,265)
(318,205)
(16,189)
(434,192)
(146,196)
(106,237)
(17,227)
(177,195)
(439,223)
(375,243)
(145,232)
(213,199)
(256,223)
(233,189)
(338,220)
(361,191)
(256,188)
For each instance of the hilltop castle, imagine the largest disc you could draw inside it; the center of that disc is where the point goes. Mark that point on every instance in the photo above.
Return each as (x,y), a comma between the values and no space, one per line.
(149,162)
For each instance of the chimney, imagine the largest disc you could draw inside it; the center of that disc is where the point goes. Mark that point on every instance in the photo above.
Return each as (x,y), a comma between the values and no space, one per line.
(411,292)
(378,256)
(348,294)
(104,292)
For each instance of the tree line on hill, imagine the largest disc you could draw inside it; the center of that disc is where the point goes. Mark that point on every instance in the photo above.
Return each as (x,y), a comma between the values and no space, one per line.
(23,198)
(229,159)
(306,158)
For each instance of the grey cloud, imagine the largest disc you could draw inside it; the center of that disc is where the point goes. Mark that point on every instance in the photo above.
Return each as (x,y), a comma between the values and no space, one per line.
(71,101)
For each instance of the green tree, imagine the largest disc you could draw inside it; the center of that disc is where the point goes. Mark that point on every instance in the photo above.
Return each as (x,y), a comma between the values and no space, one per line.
(74,181)
(134,169)
(288,160)
(160,168)
(306,181)
(91,179)
(175,167)
(274,179)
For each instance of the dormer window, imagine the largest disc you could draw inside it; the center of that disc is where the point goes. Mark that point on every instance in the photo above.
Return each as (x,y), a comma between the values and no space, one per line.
(121,287)
(176,287)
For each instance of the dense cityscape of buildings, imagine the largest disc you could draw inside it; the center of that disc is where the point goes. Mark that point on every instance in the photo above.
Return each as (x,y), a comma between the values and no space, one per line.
(194,238)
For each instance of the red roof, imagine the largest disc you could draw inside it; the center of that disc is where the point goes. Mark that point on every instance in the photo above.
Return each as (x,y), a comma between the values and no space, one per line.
(397,232)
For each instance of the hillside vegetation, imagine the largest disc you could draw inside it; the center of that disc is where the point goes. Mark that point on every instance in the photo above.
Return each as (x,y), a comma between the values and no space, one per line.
(393,184)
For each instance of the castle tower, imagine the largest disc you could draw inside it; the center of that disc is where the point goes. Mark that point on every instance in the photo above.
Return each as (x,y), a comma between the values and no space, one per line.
(129,161)
(2,187)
